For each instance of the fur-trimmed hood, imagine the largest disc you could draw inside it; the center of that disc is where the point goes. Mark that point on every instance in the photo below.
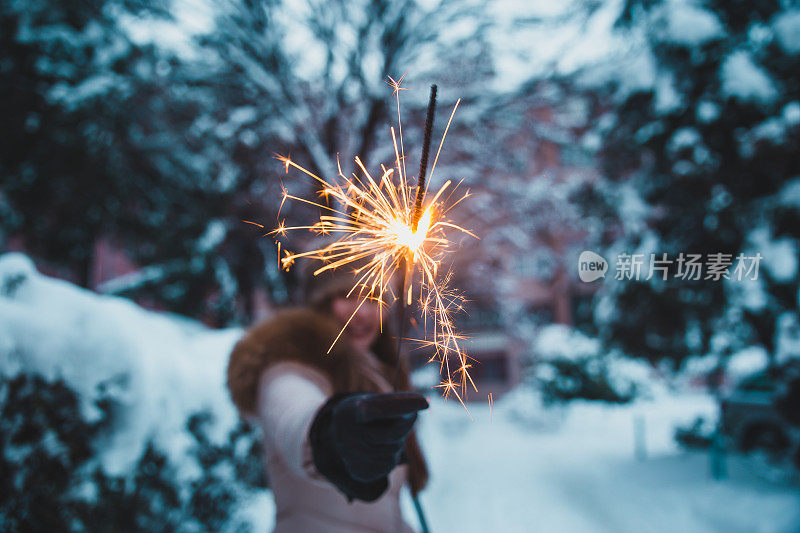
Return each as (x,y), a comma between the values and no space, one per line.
(301,335)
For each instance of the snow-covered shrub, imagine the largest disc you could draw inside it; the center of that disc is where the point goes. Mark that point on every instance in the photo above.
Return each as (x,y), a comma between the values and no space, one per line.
(52,479)
(114,418)
(568,365)
(566,380)
(745,363)
(526,406)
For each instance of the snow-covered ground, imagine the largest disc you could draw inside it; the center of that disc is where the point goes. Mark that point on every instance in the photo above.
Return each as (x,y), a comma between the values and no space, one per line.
(517,467)
(578,471)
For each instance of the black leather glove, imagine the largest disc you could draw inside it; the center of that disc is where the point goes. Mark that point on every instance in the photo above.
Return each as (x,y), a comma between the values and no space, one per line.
(358,438)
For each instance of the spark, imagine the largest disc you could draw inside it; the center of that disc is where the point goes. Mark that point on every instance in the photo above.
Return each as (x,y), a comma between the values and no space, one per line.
(396,85)
(377,232)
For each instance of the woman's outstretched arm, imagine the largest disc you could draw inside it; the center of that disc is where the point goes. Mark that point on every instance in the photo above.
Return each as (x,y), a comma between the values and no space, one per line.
(289,397)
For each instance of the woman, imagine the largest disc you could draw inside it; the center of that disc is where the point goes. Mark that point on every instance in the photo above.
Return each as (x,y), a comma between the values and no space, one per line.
(334,434)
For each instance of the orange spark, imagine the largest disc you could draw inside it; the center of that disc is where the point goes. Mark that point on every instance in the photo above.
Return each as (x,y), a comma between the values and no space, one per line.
(396,85)
(373,220)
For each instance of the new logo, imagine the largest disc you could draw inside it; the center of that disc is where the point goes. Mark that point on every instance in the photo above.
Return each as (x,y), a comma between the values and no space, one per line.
(591,266)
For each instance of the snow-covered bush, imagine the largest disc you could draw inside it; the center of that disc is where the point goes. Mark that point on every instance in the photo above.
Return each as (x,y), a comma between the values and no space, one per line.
(526,406)
(745,363)
(52,480)
(568,365)
(114,418)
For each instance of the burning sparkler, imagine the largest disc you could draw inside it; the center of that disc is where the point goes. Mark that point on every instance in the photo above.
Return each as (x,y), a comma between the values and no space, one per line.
(385,227)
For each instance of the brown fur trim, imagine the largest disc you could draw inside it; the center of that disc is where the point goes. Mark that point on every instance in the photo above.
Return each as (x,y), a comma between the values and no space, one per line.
(304,335)
(299,335)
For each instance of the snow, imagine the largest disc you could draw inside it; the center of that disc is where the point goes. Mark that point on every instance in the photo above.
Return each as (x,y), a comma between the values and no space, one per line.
(787,337)
(160,368)
(131,280)
(743,79)
(746,362)
(771,129)
(632,376)
(779,255)
(301,44)
(633,210)
(459,30)
(707,111)
(787,31)
(515,467)
(190,18)
(668,99)
(775,130)
(212,237)
(699,366)
(258,510)
(638,73)
(558,341)
(561,342)
(579,473)
(237,118)
(790,193)
(683,138)
(535,38)
(749,293)
(595,39)
(791,113)
(685,24)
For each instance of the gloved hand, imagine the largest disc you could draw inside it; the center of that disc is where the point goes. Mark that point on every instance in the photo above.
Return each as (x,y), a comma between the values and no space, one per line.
(358,438)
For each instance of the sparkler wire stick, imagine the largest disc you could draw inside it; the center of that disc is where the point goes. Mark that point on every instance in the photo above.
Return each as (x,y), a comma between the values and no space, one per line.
(401,329)
(423,161)
(423,523)
(423,168)
(421,514)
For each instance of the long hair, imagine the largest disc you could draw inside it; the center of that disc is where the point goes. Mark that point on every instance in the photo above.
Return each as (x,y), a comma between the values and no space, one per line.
(383,347)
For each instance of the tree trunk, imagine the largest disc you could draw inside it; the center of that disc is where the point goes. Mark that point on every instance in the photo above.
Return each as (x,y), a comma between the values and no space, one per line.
(84,268)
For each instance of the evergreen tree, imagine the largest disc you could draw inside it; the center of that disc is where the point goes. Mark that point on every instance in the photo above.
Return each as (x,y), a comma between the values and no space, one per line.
(114,138)
(59,63)
(710,146)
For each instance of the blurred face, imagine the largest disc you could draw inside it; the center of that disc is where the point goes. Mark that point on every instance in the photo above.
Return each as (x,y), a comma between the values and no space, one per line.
(363,328)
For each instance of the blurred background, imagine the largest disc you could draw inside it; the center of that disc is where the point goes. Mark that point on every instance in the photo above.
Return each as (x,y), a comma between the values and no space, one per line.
(137,136)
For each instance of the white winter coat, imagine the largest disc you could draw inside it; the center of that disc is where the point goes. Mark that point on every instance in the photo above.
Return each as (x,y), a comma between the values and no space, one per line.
(289,395)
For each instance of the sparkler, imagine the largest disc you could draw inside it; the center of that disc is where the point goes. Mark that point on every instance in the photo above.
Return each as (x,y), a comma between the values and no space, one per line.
(385,226)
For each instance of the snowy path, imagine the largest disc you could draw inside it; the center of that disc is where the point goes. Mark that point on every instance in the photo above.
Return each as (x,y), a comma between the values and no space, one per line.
(583,477)
(493,482)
